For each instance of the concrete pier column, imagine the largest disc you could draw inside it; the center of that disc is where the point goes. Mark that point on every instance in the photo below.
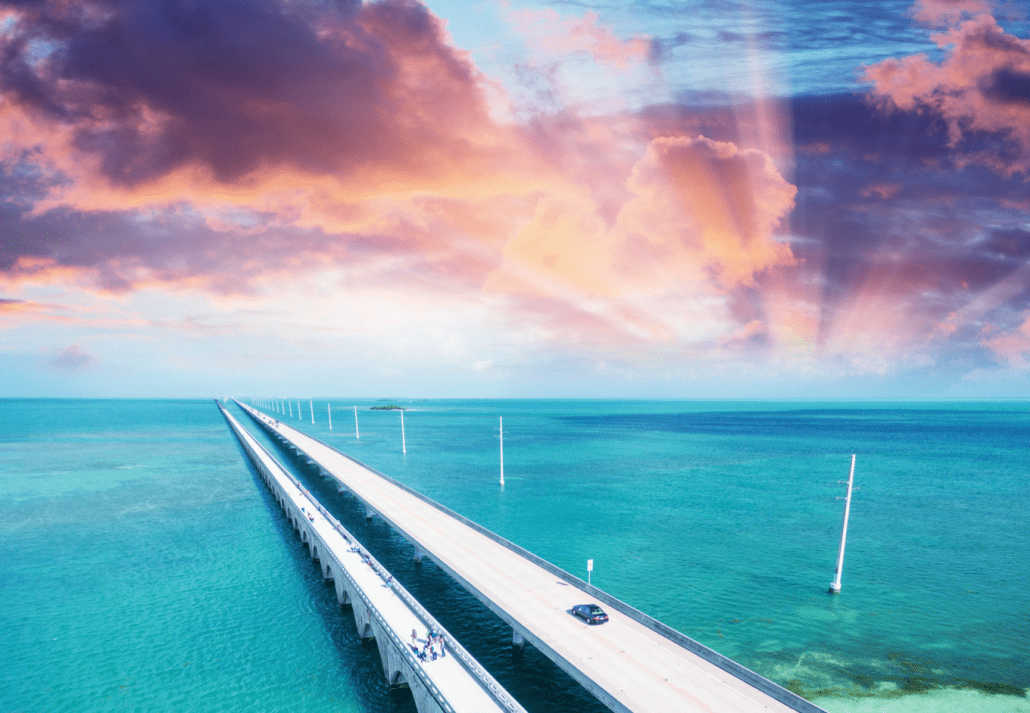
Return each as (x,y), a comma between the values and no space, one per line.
(369,513)
(419,554)
(516,640)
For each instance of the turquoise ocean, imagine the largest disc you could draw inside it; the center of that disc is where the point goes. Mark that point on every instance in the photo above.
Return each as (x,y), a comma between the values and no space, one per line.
(143,565)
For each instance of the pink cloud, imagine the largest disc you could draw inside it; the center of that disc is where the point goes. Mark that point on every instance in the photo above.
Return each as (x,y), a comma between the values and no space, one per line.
(1013,346)
(949,12)
(547,30)
(981,86)
(884,191)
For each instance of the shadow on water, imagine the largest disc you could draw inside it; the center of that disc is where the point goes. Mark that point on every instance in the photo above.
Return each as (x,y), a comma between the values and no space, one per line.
(359,658)
(532,678)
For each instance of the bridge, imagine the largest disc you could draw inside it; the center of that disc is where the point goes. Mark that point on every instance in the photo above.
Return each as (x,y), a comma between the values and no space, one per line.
(383,609)
(632,664)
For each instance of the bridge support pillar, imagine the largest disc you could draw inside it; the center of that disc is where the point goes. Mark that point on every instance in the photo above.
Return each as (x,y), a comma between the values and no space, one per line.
(419,554)
(517,641)
(369,513)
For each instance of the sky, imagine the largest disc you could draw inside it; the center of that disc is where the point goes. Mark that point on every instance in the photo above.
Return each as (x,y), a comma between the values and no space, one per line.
(652,199)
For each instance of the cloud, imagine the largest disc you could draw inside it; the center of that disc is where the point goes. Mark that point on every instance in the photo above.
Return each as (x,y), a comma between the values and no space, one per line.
(259,141)
(236,148)
(14,308)
(698,221)
(981,89)
(949,12)
(900,255)
(551,33)
(698,212)
(1012,345)
(72,358)
(184,142)
(238,88)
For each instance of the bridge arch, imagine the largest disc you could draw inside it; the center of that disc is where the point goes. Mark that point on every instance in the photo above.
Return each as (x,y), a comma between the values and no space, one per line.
(398,683)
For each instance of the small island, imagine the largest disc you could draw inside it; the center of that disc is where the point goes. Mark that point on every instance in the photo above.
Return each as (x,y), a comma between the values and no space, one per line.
(391,407)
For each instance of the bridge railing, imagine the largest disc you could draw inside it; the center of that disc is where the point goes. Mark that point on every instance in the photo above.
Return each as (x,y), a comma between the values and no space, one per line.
(485,679)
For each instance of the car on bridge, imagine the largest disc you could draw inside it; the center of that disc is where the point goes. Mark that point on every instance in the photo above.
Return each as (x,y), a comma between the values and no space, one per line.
(590,613)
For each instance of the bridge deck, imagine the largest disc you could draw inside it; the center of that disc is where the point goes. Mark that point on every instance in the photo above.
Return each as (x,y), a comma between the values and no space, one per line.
(627,665)
(460,689)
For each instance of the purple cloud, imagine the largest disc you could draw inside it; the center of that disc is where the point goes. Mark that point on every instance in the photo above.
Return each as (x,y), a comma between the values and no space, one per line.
(72,358)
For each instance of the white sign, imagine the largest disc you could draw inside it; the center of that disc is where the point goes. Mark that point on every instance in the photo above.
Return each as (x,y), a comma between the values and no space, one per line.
(590,565)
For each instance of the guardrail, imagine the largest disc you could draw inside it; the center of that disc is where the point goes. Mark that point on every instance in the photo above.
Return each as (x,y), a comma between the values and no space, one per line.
(487,681)
(739,671)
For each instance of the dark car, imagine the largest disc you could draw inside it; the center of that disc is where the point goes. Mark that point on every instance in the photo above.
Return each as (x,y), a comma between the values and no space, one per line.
(590,613)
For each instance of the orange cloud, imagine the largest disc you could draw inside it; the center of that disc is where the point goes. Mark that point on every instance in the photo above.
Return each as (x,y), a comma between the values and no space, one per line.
(698,222)
(699,212)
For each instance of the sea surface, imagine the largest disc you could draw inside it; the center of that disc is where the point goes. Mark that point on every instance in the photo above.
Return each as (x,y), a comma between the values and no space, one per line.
(144,566)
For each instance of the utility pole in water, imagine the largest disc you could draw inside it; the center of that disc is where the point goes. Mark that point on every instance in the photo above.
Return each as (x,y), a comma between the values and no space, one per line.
(835,585)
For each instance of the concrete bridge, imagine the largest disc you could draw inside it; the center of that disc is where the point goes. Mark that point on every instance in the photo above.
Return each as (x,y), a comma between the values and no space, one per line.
(383,609)
(632,664)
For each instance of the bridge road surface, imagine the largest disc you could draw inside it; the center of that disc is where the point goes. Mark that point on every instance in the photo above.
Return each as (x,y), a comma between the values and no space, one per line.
(626,665)
(459,687)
